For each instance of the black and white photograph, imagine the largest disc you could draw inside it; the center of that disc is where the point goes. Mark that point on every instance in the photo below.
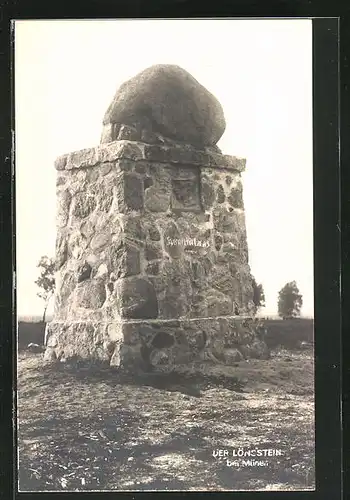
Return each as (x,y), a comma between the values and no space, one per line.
(164,255)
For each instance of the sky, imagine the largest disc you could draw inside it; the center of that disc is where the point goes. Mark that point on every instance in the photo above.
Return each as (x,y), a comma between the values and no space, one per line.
(66,73)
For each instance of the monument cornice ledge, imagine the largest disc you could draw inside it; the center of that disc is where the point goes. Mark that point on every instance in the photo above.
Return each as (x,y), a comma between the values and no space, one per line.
(174,322)
(140,151)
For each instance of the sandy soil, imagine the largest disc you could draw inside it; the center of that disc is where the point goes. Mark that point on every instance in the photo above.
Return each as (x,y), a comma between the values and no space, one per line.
(102,430)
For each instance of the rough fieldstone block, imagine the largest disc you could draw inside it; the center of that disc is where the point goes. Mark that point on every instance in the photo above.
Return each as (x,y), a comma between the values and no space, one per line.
(100,240)
(116,150)
(153,268)
(207,193)
(105,168)
(218,241)
(199,121)
(83,205)
(64,202)
(133,228)
(224,221)
(153,252)
(107,133)
(126,261)
(138,299)
(220,194)
(157,200)
(130,193)
(90,294)
(128,133)
(154,233)
(185,194)
(235,198)
(218,304)
(81,159)
(83,272)
(61,162)
(175,303)
(61,250)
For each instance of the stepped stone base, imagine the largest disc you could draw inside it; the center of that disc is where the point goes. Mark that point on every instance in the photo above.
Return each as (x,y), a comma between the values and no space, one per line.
(157,345)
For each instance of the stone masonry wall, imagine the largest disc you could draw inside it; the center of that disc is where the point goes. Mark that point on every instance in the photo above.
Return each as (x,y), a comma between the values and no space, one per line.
(152,257)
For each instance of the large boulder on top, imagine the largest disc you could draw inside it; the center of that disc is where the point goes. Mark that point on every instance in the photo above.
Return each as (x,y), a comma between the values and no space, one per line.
(164,100)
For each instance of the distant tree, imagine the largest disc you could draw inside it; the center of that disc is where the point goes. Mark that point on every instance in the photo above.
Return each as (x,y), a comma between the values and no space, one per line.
(46,281)
(258,295)
(289,301)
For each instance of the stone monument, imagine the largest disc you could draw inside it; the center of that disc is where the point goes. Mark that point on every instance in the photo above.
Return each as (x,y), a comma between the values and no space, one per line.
(151,250)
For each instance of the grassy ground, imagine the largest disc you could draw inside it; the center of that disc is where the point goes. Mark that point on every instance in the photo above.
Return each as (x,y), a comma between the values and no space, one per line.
(101,430)
(289,332)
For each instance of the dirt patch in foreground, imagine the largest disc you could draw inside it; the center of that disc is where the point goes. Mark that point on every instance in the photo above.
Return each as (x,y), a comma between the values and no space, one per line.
(101,430)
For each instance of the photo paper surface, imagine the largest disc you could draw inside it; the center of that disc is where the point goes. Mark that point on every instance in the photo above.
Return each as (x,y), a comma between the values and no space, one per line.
(164,214)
